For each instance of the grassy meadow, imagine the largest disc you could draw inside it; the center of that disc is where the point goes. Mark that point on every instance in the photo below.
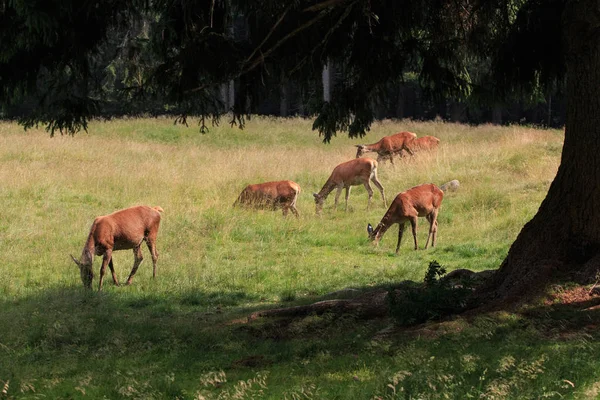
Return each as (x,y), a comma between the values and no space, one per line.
(184,334)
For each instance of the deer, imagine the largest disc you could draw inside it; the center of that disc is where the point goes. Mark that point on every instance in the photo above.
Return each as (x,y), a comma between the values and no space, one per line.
(388,146)
(282,194)
(419,201)
(122,230)
(350,173)
(424,143)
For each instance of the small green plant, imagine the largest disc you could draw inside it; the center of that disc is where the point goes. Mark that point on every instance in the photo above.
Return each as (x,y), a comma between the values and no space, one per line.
(433,300)
(434,272)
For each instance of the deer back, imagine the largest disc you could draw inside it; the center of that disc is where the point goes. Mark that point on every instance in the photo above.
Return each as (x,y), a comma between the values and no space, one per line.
(353,171)
(422,199)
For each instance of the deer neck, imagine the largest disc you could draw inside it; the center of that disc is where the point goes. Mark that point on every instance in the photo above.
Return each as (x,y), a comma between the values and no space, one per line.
(327,188)
(87,254)
(384,224)
(372,147)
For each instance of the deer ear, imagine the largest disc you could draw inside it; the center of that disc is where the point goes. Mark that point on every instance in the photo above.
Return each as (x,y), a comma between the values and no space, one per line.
(370,229)
(75,260)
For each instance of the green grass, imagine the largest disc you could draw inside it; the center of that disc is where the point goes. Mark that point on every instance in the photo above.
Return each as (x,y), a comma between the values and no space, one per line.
(184,334)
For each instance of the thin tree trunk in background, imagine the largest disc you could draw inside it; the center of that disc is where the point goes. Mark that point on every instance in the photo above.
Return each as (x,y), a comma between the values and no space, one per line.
(231,95)
(231,34)
(224,91)
(563,239)
(400,103)
(497,114)
(248,104)
(418,104)
(549,122)
(326,78)
(301,108)
(284,96)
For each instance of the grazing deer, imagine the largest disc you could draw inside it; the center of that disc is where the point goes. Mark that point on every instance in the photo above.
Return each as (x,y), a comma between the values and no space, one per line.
(121,230)
(424,143)
(388,146)
(351,173)
(282,194)
(419,201)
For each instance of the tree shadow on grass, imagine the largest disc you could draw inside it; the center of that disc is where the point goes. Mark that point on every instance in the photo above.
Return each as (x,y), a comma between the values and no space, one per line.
(58,337)
(62,341)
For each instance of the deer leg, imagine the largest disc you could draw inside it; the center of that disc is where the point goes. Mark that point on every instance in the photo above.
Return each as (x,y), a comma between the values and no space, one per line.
(337,197)
(380,187)
(347,195)
(293,207)
(295,211)
(151,242)
(105,260)
(370,192)
(112,271)
(432,218)
(429,236)
(400,233)
(138,258)
(413,225)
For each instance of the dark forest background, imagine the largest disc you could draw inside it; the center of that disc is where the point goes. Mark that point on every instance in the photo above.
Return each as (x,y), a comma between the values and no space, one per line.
(123,64)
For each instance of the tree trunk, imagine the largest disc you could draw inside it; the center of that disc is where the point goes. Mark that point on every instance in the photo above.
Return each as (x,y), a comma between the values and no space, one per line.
(400,103)
(326,77)
(549,119)
(563,239)
(231,95)
(497,114)
(283,96)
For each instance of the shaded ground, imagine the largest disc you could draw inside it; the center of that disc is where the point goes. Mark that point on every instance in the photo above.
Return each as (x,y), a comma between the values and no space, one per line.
(66,341)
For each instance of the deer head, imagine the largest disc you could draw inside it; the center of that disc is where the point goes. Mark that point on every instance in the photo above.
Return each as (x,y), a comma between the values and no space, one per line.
(361,150)
(86,272)
(319,200)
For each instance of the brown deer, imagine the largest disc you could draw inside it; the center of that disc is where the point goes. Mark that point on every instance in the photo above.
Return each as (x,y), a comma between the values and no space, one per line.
(424,143)
(121,230)
(351,173)
(282,194)
(419,201)
(388,146)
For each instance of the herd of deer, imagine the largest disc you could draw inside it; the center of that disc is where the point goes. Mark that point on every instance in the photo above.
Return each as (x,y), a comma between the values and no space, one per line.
(129,228)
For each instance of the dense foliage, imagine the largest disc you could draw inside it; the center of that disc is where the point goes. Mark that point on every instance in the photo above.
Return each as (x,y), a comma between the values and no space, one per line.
(71,61)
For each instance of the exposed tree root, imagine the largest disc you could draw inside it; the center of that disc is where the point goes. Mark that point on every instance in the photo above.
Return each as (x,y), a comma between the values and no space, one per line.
(369,305)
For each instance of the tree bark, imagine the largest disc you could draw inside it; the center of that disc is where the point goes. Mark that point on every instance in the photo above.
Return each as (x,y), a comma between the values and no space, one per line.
(400,103)
(563,239)
(283,96)
(497,114)
(326,79)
